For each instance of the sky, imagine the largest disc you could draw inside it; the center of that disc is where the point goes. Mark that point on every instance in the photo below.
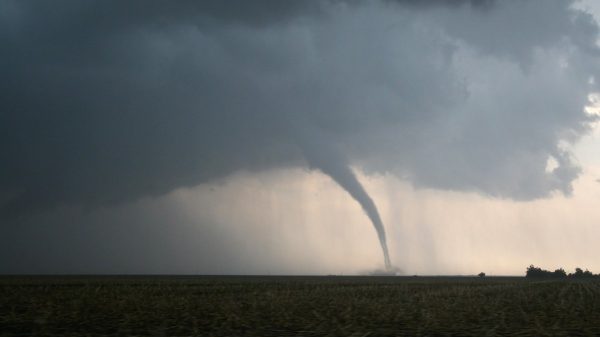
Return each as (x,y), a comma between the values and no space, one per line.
(286,137)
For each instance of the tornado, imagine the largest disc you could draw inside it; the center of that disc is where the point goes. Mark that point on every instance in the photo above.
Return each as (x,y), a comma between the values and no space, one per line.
(335,166)
(344,176)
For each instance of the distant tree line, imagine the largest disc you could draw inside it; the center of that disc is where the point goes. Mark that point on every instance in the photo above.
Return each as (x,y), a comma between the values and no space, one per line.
(536,272)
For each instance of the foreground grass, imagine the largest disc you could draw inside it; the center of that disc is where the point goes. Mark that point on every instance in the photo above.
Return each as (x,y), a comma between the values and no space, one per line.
(297,306)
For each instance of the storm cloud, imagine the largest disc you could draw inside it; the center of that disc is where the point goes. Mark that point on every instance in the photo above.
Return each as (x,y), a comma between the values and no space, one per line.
(104,102)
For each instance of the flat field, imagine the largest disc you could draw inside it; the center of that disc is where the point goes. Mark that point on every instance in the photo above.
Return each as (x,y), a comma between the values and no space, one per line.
(297,306)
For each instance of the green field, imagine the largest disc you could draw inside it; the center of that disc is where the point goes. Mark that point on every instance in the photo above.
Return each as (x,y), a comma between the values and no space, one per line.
(298,306)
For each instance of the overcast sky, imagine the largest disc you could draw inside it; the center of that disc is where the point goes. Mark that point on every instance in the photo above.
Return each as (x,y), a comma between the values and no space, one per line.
(265,137)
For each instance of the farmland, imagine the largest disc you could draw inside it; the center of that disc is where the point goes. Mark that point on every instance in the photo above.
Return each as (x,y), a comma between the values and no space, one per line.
(297,306)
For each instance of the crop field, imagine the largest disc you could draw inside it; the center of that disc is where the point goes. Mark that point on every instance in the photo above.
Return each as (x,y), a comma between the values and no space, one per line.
(297,306)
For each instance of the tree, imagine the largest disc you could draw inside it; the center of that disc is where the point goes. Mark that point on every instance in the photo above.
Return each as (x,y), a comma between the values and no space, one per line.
(559,273)
(536,272)
(579,273)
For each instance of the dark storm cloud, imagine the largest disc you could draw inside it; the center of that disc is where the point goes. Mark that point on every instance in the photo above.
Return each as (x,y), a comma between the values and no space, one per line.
(105,101)
(449,3)
(102,15)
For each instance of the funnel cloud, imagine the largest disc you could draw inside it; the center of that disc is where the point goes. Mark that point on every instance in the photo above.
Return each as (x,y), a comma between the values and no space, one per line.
(335,166)
(344,176)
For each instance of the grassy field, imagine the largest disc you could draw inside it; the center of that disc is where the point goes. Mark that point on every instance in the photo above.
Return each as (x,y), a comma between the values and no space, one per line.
(297,306)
